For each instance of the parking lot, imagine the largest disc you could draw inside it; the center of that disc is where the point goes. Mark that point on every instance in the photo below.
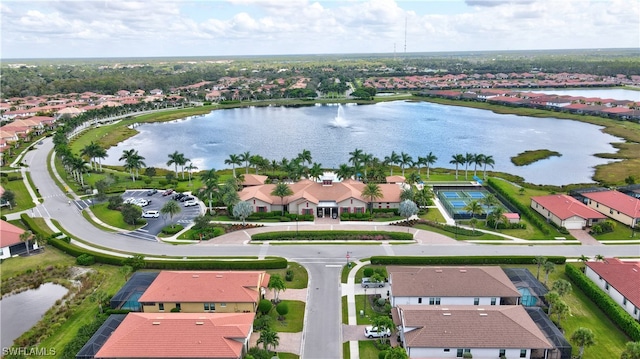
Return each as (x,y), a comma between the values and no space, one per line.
(156,202)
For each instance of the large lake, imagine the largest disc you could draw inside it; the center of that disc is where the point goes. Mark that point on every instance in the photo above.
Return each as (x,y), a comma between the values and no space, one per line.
(413,127)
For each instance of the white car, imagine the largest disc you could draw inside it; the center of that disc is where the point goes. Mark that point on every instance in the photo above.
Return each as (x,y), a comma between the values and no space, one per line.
(367,282)
(130,200)
(190,203)
(141,202)
(151,214)
(372,332)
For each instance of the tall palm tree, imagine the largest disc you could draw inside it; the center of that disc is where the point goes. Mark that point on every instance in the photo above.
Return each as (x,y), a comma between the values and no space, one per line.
(419,163)
(233,160)
(366,159)
(175,159)
(356,156)
(281,190)
(132,161)
(100,154)
(474,208)
(246,157)
(344,172)
(182,162)
(315,171)
(391,160)
(490,201)
(404,161)
(468,159)
(478,160)
(371,191)
(429,160)
(457,159)
(497,214)
(90,151)
(488,160)
(25,237)
(171,208)
(210,181)
(305,156)
(79,165)
(190,167)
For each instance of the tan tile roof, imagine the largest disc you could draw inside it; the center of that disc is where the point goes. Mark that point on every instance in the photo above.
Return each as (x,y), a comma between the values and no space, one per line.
(315,192)
(490,281)
(204,286)
(505,326)
(179,335)
(9,234)
(623,276)
(253,180)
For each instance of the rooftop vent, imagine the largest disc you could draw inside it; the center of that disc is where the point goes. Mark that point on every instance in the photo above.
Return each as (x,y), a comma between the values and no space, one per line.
(155,323)
(438,270)
(480,309)
(448,314)
(199,323)
(445,308)
(218,275)
(195,276)
(483,314)
(463,271)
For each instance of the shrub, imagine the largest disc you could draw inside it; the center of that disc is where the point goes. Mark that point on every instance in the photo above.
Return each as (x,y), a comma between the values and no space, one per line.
(282,308)
(289,275)
(175,310)
(264,306)
(85,260)
(115,202)
(332,236)
(367,272)
(171,230)
(453,260)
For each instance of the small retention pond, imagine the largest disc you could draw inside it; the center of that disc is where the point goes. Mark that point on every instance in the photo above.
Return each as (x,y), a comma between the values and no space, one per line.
(20,312)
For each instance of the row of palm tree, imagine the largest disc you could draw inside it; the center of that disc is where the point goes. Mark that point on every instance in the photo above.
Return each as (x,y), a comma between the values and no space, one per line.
(94,151)
(133,161)
(477,159)
(298,167)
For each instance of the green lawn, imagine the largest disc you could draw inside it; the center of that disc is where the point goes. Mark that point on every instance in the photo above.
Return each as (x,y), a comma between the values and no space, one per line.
(346,351)
(300,276)
(288,356)
(345,310)
(433,214)
(22,199)
(111,217)
(620,232)
(293,320)
(368,349)
(50,256)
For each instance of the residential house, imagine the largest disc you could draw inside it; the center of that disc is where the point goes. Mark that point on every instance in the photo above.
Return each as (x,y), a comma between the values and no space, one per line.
(451,286)
(10,243)
(620,280)
(566,211)
(487,332)
(325,199)
(254,180)
(180,335)
(205,291)
(615,205)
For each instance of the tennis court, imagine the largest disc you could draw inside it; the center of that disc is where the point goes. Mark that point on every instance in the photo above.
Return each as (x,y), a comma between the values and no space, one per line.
(449,194)
(456,199)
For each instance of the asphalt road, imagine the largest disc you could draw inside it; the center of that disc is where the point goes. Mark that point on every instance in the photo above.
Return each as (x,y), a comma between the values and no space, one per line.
(322,335)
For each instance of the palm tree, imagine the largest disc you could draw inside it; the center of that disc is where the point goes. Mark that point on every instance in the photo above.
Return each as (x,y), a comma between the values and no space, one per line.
(429,160)
(132,161)
(474,208)
(90,151)
(392,160)
(371,191)
(468,159)
(190,168)
(490,201)
(170,208)
(539,261)
(457,160)
(488,160)
(305,156)
(355,156)
(631,351)
(478,160)
(246,157)
(344,172)
(405,160)
(315,171)
(268,338)
(25,237)
(497,214)
(182,161)
(175,159)
(79,165)
(548,267)
(100,154)
(210,181)
(366,159)
(233,160)
(282,190)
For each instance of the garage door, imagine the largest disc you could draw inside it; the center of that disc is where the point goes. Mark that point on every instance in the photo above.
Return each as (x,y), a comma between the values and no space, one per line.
(573,224)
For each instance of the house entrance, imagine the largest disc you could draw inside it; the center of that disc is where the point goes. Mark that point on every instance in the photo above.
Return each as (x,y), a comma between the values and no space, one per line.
(328,209)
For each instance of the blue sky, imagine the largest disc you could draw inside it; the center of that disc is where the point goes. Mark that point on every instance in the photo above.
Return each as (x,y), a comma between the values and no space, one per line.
(109,28)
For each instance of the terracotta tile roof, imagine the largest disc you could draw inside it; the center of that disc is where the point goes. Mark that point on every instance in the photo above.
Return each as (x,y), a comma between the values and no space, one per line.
(205,286)
(617,201)
(490,281)
(505,326)
(623,276)
(563,207)
(315,192)
(253,180)
(179,335)
(9,234)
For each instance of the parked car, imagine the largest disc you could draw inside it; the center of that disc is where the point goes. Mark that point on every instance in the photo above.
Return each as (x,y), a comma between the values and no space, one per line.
(141,202)
(167,192)
(151,192)
(130,200)
(367,282)
(151,214)
(372,332)
(190,203)
(178,196)
(186,198)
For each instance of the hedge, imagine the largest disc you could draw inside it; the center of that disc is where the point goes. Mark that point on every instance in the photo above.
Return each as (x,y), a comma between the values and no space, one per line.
(267,263)
(610,308)
(455,260)
(332,236)
(33,227)
(526,211)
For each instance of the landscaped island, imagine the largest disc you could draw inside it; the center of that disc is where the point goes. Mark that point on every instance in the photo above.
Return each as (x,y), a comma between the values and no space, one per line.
(531,156)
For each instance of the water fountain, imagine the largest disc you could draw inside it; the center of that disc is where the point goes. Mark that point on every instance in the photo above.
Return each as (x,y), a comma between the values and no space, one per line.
(339,121)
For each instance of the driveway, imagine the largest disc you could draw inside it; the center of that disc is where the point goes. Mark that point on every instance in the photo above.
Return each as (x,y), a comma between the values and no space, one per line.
(584,237)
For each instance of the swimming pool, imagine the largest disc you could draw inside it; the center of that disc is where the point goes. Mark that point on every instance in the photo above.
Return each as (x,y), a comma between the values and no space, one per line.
(528,300)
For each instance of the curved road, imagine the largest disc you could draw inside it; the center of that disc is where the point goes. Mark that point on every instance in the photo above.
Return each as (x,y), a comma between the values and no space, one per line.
(322,335)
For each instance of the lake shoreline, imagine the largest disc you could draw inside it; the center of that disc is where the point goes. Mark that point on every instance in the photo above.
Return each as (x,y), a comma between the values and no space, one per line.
(626,153)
